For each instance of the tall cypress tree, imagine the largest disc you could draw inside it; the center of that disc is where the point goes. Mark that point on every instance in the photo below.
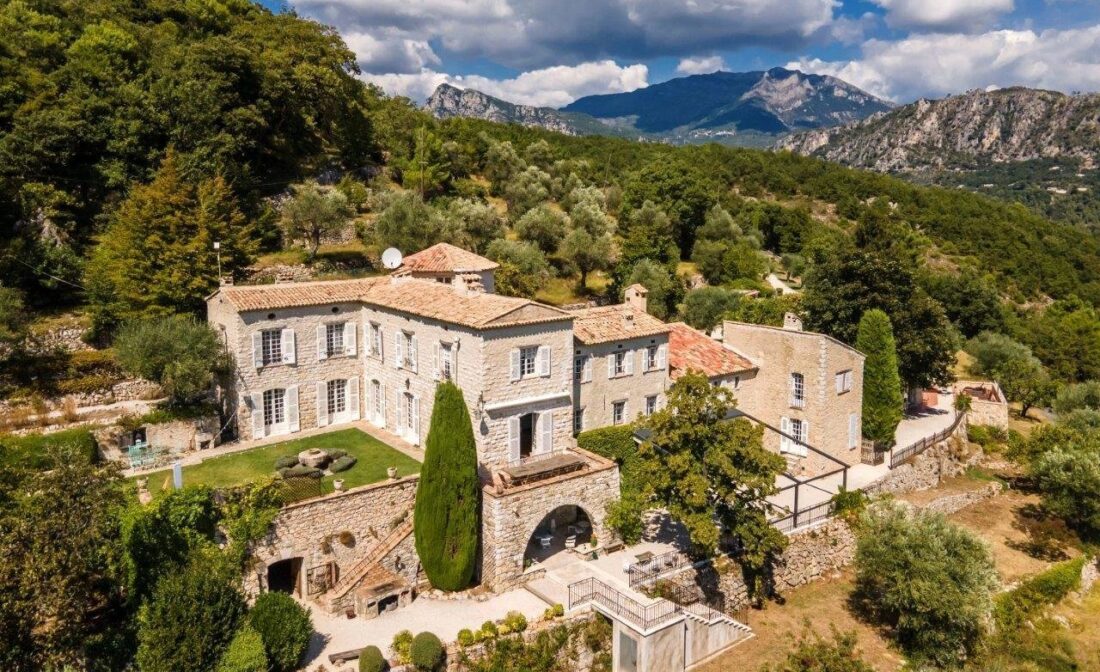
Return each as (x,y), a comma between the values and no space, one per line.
(882,395)
(448,504)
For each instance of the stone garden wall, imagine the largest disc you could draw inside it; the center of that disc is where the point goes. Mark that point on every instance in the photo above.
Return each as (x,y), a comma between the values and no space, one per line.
(946,459)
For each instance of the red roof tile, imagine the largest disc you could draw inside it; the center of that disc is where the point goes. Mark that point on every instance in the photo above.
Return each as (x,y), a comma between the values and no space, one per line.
(446,258)
(691,349)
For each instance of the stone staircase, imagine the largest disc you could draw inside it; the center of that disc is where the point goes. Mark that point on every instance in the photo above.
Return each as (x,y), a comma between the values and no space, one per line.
(335,598)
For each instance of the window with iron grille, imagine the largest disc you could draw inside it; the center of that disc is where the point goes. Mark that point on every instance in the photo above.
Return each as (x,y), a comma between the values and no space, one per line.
(334,339)
(527,357)
(272,341)
(274,407)
(337,396)
(798,390)
(578,421)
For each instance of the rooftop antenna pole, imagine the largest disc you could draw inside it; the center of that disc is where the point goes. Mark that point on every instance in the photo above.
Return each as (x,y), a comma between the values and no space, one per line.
(218,250)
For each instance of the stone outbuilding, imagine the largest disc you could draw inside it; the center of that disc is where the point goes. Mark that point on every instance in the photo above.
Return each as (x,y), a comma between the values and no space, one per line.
(988,405)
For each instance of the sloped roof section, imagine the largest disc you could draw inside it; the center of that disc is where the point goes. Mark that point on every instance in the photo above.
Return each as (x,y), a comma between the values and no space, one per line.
(446,258)
(607,324)
(691,349)
(296,294)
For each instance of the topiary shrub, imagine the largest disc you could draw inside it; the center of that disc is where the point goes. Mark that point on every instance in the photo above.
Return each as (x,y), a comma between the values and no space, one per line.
(466,637)
(286,462)
(336,454)
(488,630)
(515,621)
(882,398)
(342,464)
(400,646)
(426,652)
(285,628)
(301,471)
(371,660)
(447,499)
(245,653)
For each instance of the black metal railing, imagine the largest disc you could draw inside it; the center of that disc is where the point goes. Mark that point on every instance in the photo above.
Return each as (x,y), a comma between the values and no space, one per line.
(644,573)
(902,455)
(643,616)
(804,517)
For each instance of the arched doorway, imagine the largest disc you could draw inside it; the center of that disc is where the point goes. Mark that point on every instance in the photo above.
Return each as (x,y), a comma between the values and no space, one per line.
(284,576)
(561,536)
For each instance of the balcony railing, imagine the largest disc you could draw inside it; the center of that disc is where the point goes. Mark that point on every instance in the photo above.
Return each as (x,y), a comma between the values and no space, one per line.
(645,573)
(643,616)
(900,456)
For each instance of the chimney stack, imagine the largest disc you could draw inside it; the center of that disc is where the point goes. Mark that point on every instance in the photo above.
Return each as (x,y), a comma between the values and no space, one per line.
(635,296)
(792,322)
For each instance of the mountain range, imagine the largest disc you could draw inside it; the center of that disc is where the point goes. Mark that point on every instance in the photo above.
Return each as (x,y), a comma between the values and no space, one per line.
(747,108)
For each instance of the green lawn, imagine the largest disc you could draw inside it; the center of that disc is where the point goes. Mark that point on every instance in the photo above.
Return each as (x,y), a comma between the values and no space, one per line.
(373,458)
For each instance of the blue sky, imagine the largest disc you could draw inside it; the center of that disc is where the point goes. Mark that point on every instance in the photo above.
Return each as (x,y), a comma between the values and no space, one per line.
(550,52)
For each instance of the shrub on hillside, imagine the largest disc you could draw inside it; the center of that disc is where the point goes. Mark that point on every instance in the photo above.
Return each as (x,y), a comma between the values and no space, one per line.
(1068,478)
(245,652)
(426,652)
(371,660)
(515,621)
(38,451)
(814,653)
(400,646)
(184,356)
(1015,607)
(928,580)
(447,498)
(285,628)
(342,464)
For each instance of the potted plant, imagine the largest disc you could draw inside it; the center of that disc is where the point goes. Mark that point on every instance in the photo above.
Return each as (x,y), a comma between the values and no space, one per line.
(338,484)
(392,472)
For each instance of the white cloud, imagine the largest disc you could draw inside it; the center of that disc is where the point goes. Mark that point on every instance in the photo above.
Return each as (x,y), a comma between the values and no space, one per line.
(936,65)
(547,87)
(393,54)
(531,34)
(944,15)
(701,65)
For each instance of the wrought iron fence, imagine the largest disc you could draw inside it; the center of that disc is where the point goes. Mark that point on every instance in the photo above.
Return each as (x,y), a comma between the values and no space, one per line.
(643,573)
(644,616)
(804,517)
(900,456)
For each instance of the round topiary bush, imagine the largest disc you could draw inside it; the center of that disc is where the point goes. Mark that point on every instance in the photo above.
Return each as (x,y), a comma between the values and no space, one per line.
(337,454)
(301,471)
(286,462)
(466,637)
(371,660)
(515,621)
(426,652)
(285,628)
(342,464)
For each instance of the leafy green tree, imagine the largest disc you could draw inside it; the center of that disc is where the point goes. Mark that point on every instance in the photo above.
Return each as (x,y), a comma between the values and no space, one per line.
(971,300)
(409,224)
(1069,481)
(285,628)
(814,653)
(665,290)
(314,213)
(544,226)
(588,215)
(706,307)
(648,234)
(1021,375)
(157,254)
(883,402)
(704,469)
(931,582)
(245,652)
(426,170)
(539,153)
(767,310)
(191,617)
(523,267)
(794,265)
(501,164)
(1065,336)
(586,252)
(480,223)
(184,356)
(526,190)
(624,516)
(1078,396)
(680,188)
(446,515)
(63,602)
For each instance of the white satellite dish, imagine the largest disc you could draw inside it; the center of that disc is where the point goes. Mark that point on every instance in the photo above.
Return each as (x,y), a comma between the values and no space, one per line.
(391,258)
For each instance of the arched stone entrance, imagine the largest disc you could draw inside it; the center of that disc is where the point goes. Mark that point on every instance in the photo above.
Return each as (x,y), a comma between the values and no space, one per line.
(557,538)
(285,576)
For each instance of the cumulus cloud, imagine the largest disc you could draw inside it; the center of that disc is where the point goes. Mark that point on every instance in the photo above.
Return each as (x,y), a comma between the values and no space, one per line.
(935,65)
(393,54)
(546,87)
(532,34)
(701,65)
(943,15)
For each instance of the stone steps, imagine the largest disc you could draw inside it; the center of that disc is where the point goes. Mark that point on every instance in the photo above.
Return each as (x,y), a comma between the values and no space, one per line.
(549,591)
(360,569)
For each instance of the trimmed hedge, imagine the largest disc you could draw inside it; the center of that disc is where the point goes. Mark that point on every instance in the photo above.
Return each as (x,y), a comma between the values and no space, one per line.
(426,652)
(286,462)
(1012,609)
(301,471)
(342,464)
(245,653)
(371,660)
(285,628)
(616,443)
(33,450)
(337,454)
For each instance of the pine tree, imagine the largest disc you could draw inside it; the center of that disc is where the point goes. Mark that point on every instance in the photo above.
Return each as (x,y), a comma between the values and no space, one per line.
(447,520)
(882,397)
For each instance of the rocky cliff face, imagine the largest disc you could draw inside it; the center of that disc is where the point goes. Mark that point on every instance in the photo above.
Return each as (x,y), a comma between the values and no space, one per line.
(449,101)
(963,132)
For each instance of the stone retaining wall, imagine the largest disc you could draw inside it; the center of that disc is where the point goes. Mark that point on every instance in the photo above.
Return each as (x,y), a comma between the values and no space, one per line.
(946,459)
(949,504)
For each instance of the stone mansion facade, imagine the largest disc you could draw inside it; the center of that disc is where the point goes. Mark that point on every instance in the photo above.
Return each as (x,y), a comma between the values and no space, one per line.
(315,354)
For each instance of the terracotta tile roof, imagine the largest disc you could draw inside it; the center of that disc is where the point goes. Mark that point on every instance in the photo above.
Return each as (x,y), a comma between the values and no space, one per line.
(691,349)
(424,298)
(606,324)
(446,258)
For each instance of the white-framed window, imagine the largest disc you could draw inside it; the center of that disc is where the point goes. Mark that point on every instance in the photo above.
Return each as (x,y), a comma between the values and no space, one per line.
(798,390)
(844,381)
(337,396)
(618,412)
(651,404)
(378,402)
(446,361)
(334,339)
(582,368)
(409,350)
(578,421)
(528,361)
(274,407)
(272,340)
(651,358)
(620,363)
(375,330)
(796,436)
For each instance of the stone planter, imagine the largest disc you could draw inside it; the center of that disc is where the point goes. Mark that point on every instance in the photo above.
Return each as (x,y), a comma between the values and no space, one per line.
(338,484)
(314,457)
(392,472)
